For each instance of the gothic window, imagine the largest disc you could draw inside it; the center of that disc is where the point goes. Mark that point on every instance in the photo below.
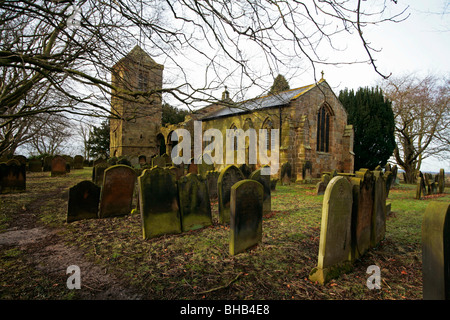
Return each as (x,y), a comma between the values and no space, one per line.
(323,129)
(268,126)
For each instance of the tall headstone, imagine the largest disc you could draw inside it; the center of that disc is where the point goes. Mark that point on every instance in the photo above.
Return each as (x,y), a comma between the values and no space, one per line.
(117,191)
(387,176)
(59,166)
(12,176)
(436,251)
(211,179)
(441,181)
(379,209)
(227,178)
(362,210)
(158,199)
(246,211)
(84,199)
(394,175)
(419,188)
(195,208)
(286,173)
(335,231)
(265,181)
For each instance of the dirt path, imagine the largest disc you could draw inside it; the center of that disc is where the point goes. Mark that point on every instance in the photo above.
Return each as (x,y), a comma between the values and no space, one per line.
(46,251)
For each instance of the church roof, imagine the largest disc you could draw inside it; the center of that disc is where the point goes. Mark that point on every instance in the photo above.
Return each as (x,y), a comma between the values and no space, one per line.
(269,101)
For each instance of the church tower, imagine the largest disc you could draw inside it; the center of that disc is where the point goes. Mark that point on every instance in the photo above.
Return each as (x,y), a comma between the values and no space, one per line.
(137,119)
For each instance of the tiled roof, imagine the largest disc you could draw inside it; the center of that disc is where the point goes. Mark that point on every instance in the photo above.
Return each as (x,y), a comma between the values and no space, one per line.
(279,99)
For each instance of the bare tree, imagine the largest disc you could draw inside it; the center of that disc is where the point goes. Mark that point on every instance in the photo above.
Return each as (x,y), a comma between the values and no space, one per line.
(422,116)
(68,48)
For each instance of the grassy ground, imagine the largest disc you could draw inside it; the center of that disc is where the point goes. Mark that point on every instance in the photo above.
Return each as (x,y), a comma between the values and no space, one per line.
(195,265)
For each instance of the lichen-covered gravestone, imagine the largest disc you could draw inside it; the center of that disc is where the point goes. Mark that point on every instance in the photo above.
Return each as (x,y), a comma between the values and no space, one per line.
(158,200)
(335,232)
(246,211)
(436,251)
(59,167)
(98,172)
(158,161)
(227,178)
(195,208)
(265,181)
(363,188)
(84,199)
(211,180)
(379,210)
(117,191)
(12,176)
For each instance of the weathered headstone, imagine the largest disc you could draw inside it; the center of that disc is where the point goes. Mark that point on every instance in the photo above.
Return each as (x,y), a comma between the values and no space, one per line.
(286,173)
(35,165)
(320,188)
(158,199)
(441,181)
(84,199)
(78,162)
(394,175)
(21,159)
(362,210)
(420,188)
(195,208)
(47,165)
(98,172)
(178,171)
(211,180)
(265,181)
(117,191)
(379,209)
(387,176)
(246,170)
(59,167)
(12,176)
(246,211)
(436,251)
(158,161)
(335,231)
(227,178)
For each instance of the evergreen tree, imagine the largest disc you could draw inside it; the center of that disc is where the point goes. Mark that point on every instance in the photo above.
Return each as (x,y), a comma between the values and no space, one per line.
(99,139)
(172,115)
(373,121)
(279,84)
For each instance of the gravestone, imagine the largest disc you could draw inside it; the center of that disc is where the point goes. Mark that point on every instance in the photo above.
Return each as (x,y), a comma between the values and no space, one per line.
(387,176)
(195,208)
(265,181)
(286,173)
(211,180)
(227,178)
(167,160)
(142,160)
(12,176)
(246,170)
(84,199)
(111,161)
(21,159)
(394,175)
(158,161)
(204,166)
(246,211)
(335,231)
(47,165)
(59,166)
(35,165)
(441,181)
(158,200)
(362,210)
(420,188)
(117,191)
(78,162)
(177,171)
(379,209)
(320,188)
(98,172)
(436,251)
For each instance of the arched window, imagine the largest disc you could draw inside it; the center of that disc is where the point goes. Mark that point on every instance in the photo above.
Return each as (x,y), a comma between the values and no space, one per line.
(234,128)
(323,129)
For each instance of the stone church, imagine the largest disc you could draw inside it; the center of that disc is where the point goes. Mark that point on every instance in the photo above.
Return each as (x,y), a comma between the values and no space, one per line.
(314,136)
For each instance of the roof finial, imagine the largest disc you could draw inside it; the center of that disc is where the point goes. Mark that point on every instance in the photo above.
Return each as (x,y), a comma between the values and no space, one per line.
(322,75)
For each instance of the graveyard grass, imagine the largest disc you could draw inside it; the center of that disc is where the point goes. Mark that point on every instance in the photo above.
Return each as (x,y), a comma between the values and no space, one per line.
(197,264)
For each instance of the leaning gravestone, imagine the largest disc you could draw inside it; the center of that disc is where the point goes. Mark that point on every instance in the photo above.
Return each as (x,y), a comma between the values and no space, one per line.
(227,178)
(117,191)
(265,181)
(158,200)
(59,166)
(335,231)
(246,211)
(379,209)
(436,251)
(12,176)
(84,199)
(441,181)
(362,210)
(195,208)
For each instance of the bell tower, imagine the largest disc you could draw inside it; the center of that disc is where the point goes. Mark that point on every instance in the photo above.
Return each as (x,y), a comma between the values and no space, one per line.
(137,118)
